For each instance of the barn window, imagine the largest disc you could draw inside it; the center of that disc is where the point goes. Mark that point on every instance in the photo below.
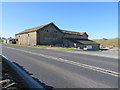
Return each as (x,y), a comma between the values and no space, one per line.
(46,30)
(16,39)
(55,31)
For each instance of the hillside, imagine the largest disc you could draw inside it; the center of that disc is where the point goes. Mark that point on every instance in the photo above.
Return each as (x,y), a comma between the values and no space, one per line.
(108,42)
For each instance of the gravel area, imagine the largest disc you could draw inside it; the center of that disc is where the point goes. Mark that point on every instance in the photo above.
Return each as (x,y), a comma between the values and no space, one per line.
(111,53)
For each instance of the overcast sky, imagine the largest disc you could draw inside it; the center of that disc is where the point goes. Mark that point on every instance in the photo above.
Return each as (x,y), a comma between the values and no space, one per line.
(98,19)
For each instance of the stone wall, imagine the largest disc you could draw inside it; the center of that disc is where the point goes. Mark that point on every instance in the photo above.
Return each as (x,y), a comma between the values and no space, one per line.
(68,43)
(49,35)
(26,38)
(84,36)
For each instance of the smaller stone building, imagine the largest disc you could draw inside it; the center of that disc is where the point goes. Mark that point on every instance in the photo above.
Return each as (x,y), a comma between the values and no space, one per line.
(78,40)
(50,34)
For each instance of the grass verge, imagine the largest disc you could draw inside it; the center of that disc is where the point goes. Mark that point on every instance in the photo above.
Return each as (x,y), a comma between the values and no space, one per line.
(43,46)
(53,47)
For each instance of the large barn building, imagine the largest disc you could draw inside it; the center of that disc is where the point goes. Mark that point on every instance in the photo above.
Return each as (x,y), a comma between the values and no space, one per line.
(50,34)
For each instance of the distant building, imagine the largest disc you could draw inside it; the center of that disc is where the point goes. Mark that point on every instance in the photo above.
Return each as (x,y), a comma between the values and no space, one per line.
(50,34)
(2,38)
(9,41)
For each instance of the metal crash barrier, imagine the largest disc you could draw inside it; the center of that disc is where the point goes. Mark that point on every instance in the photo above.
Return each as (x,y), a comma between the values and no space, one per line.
(27,80)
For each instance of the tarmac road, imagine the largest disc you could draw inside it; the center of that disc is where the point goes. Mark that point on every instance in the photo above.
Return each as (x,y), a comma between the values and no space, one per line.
(62,69)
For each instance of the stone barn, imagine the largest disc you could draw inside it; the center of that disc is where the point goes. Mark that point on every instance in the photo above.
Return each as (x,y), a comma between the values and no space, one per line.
(50,34)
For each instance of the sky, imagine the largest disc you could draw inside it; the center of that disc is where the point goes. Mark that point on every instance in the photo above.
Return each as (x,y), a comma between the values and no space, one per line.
(59,0)
(98,19)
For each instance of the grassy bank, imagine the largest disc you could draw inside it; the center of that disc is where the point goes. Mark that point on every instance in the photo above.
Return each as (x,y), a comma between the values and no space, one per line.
(108,42)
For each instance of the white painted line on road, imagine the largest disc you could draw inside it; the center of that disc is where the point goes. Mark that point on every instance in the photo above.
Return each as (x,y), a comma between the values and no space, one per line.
(109,72)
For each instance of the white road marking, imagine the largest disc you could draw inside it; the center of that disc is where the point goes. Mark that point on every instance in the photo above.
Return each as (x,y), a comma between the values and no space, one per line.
(94,68)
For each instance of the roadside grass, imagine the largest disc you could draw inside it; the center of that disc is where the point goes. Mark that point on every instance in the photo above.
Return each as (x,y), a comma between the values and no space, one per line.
(53,47)
(59,48)
(1,41)
(64,48)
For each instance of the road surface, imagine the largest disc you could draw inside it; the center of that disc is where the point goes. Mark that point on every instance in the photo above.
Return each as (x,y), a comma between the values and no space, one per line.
(62,69)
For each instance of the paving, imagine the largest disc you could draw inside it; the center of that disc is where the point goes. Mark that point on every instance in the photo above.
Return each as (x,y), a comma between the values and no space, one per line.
(112,53)
(63,69)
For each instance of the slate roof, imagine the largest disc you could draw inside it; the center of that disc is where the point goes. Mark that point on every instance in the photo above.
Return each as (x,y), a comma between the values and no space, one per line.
(42,26)
(84,41)
(87,42)
(72,32)
(34,29)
